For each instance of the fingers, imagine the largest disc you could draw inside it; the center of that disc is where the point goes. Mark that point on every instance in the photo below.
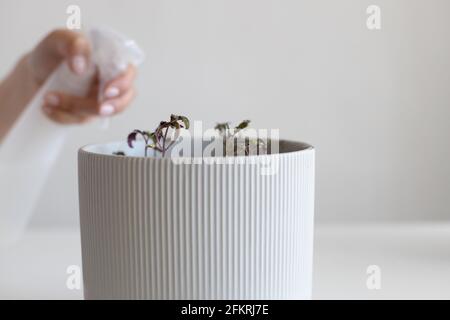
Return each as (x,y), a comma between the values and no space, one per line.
(119,104)
(64,108)
(72,104)
(56,107)
(121,84)
(64,116)
(72,46)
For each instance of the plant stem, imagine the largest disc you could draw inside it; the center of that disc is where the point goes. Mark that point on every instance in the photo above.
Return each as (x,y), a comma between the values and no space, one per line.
(164,142)
(158,143)
(146,146)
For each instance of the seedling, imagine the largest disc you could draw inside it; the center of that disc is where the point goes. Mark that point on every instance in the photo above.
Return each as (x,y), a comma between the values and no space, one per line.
(160,140)
(225,131)
(231,142)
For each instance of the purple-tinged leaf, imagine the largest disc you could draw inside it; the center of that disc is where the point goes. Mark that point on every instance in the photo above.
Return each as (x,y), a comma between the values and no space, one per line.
(132,138)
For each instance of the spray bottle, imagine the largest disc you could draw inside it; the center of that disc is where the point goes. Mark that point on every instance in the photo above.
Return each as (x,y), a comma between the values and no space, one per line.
(32,146)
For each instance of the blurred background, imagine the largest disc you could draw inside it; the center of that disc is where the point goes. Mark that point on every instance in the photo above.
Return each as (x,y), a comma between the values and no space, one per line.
(374,103)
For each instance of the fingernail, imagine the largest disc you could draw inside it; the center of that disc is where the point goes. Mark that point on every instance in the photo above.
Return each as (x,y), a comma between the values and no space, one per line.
(112,92)
(107,110)
(52,100)
(79,64)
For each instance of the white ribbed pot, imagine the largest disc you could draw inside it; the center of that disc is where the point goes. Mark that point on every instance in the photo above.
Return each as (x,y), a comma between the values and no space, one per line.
(155,229)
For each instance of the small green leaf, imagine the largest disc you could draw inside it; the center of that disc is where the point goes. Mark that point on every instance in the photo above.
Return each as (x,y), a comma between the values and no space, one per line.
(152,137)
(185,121)
(244,124)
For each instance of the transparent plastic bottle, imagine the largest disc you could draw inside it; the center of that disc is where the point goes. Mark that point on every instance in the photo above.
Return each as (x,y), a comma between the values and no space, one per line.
(31,148)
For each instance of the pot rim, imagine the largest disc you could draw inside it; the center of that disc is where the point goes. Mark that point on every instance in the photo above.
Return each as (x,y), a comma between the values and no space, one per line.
(301,147)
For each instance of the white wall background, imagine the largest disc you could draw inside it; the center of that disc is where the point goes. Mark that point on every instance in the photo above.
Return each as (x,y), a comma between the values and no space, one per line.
(374,103)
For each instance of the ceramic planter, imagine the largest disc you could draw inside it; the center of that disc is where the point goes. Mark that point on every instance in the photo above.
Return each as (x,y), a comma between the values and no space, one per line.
(155,229)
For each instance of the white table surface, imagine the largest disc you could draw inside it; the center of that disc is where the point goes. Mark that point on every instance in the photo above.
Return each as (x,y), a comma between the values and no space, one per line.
(414,260)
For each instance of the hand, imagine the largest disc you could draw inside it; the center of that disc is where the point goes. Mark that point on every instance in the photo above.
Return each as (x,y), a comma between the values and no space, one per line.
(73,48)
